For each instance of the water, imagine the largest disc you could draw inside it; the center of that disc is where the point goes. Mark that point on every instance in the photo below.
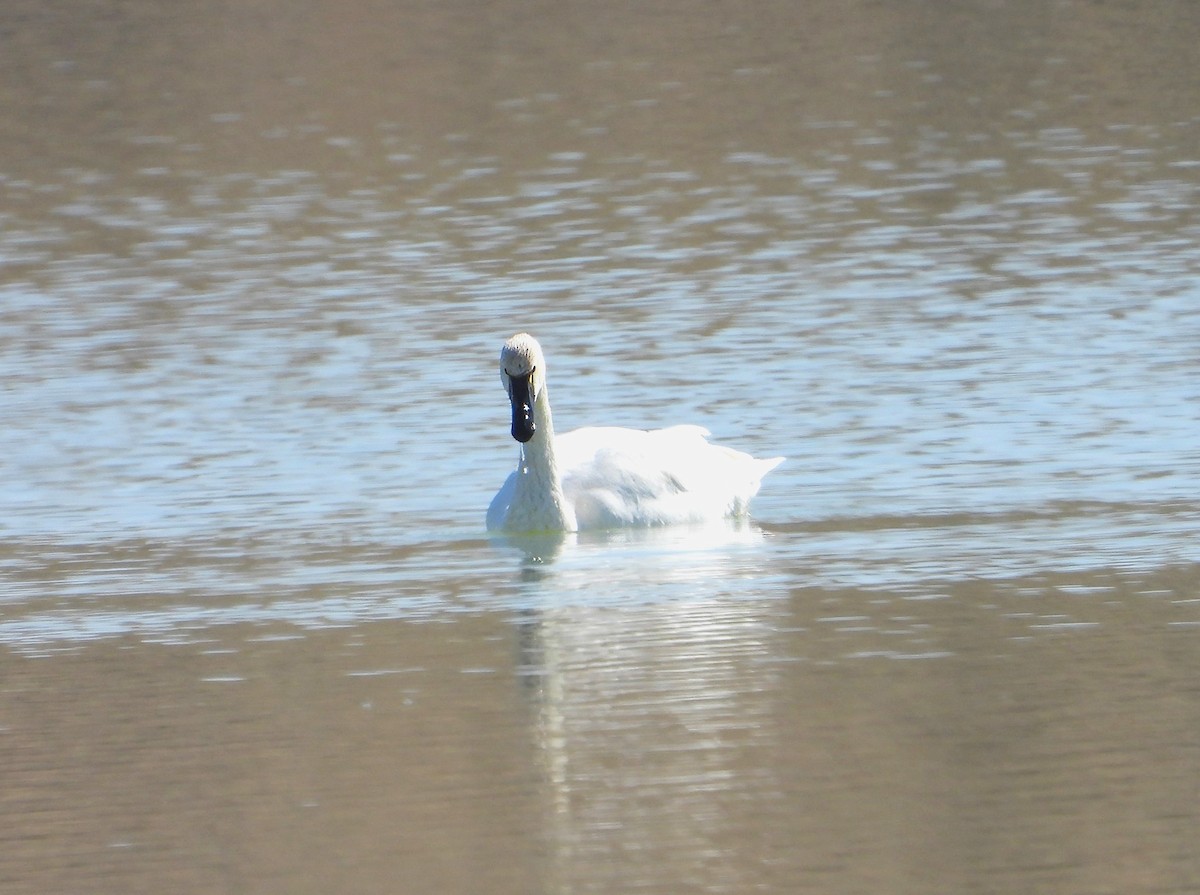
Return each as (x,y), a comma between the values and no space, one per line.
(255,270)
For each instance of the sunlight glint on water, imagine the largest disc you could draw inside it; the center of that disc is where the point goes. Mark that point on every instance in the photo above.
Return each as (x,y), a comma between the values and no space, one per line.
(253,634)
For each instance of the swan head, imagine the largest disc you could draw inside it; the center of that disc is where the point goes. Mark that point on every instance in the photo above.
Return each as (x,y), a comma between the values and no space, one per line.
(523,372)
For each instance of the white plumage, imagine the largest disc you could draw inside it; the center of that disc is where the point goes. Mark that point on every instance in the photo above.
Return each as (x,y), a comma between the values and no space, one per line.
(610,477)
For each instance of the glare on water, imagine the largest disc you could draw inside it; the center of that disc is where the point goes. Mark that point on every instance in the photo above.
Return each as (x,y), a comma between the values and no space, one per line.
(255,269)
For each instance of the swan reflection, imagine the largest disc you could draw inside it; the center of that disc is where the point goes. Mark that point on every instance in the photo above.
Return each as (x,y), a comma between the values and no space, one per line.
(647,712)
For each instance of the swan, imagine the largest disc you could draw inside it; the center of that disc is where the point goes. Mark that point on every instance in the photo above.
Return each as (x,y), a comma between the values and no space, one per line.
(607,476)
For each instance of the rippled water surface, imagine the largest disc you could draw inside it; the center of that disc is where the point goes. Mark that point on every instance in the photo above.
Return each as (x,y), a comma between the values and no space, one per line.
(256,264)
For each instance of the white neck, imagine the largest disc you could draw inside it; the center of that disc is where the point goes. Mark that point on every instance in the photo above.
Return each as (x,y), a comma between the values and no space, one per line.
(538,503)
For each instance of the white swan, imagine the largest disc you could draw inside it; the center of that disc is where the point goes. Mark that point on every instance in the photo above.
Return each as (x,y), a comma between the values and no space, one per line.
(605,476)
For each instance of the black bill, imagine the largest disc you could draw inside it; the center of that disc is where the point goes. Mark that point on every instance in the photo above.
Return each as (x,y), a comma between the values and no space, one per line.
(523,425)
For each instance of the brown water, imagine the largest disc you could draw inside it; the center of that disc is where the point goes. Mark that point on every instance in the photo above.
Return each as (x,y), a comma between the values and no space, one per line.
(256,262)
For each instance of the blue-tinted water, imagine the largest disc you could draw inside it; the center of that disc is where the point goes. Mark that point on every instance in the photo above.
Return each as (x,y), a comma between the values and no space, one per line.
(250,309)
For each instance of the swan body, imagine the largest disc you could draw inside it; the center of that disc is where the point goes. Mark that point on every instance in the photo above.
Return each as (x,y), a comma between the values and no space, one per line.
(607,476)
